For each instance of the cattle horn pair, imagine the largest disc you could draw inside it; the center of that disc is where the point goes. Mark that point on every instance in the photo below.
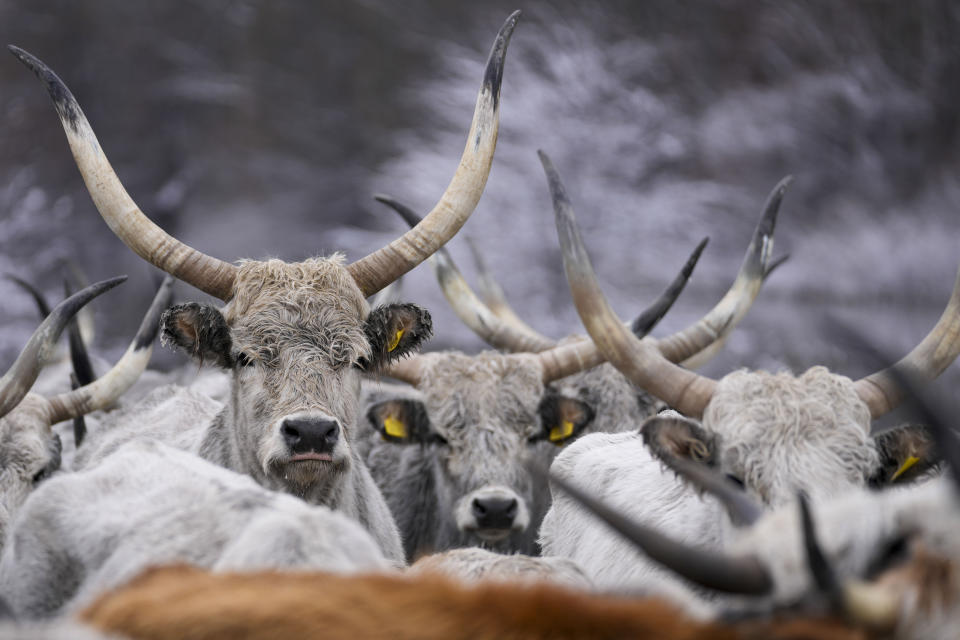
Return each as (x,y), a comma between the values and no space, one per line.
(494,321)
(688,392)
(216,277)
(561,361)
(102,392)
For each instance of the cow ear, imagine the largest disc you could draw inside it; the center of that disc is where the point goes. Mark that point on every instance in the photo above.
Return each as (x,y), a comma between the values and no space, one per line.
(906,453)
(402,421)
(670,434)
(562,418)
(395,330)
(200,330)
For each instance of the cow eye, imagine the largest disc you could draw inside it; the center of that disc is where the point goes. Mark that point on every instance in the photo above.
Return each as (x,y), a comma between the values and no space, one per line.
(244,360)
(735,480)
(893,552)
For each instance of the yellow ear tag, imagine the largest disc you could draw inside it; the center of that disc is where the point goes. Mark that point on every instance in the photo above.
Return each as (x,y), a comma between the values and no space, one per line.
(396,340)
(394,428)
(909,462)
(561,433)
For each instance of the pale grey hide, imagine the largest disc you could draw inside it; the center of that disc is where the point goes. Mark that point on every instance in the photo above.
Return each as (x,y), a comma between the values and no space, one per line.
(28,453)
(486,415)
(147,504)
(59,630)
(290,338)
(472,564)
(899,547)
(775,433)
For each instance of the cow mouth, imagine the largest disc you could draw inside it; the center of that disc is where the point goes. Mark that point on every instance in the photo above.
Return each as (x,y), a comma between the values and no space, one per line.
(312,455)
(493,535)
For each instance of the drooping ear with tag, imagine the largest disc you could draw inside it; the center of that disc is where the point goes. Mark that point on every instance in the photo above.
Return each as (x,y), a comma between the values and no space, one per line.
(200,330)
(395,330)
(671,434)
(563,418)
(403,421)
(907,452)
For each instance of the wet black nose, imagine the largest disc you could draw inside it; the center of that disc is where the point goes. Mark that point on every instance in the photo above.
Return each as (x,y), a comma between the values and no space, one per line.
(494,513)
(304,435)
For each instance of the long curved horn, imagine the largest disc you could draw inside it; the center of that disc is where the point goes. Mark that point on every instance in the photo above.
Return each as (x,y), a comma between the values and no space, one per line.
(388,263)
(710,569)
(116,206)
(573,357)
(881,392)
(699,342)
(17,381)
(105,390)
(464,302)
(492,295)
(639,360)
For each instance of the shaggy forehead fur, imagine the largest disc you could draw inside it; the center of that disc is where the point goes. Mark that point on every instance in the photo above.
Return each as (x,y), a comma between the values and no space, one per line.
(26,448)
(780,433)
(485,406)
(303,322)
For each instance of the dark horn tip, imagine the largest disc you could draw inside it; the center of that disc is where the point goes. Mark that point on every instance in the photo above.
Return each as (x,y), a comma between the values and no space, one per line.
(772,207)
(150,326)
(405,212)
(66,104)
(695,257)
(493,75)
(73,304)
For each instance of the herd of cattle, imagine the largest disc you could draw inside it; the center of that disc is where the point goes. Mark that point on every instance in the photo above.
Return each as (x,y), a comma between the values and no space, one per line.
(595,487)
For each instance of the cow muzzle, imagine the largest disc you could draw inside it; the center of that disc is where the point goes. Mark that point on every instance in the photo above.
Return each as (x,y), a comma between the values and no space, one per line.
(310,438)
(492,513)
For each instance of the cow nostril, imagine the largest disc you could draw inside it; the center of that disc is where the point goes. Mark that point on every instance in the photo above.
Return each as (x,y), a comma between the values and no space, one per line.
(495,512)
(333,432)
(290,434)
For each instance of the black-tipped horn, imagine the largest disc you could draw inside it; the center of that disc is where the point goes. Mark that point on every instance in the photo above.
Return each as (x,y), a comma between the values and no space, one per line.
(17,381)
(645,322)
(640,361)
(388,263)
(116,206)
(465,303)
(104,391)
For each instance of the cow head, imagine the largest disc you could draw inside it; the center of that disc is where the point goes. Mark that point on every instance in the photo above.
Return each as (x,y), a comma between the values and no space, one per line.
(296,338)
(477,419)
(472,426)
(775,433)
(29,449)
(292,333)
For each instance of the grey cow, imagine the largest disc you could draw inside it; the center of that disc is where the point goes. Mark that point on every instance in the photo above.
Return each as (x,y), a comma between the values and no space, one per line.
(295,336)
(149,504)
(30,450)
(449,454)
(772,433)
